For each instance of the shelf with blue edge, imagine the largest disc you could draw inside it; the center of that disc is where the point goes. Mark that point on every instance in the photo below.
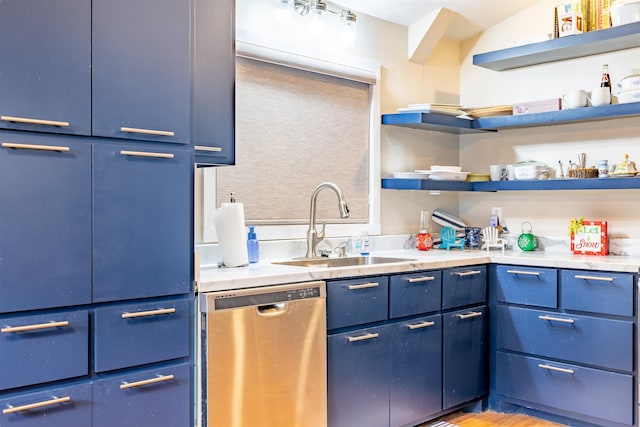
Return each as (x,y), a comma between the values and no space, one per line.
(569,47)
(524,185)
(430,121)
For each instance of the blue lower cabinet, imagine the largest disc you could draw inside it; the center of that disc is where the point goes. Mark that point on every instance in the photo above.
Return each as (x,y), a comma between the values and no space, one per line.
(527,285)
(607,396)
(152,397)
(416,370)
(464,356)
(358,378)
(43,348)
(135,334)
(55,407)
(357,301)
(598,292)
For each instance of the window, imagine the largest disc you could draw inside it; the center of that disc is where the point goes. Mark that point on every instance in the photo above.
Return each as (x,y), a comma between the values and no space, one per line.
(294,130)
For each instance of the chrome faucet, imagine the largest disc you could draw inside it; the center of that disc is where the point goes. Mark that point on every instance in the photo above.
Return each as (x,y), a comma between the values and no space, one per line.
(313,238)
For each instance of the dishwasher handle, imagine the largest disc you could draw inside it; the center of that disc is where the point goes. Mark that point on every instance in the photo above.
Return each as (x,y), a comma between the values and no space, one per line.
(270,310)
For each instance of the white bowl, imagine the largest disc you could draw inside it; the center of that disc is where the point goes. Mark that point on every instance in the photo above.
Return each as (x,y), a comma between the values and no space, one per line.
(627,96)
(436,168)
(625,12)
(630,82)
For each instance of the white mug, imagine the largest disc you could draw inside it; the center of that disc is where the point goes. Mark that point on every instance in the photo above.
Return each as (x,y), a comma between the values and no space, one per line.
(497,172)
(600,96)
(574,99)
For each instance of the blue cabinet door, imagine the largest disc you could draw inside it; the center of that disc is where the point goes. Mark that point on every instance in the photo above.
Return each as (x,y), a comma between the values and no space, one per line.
(59,406)
(464,286)
(45,221)
(141,71)
(141,222)
(45,71)
(412,294)
(464,356)
(358,378)
(152,397)
(416,370)
(213,132)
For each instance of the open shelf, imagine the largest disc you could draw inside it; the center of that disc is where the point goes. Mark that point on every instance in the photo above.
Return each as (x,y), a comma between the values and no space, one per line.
(430,121)
(568,47)
(524,185)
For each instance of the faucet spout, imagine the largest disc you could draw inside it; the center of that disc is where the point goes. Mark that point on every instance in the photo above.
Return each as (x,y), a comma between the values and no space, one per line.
(312,234)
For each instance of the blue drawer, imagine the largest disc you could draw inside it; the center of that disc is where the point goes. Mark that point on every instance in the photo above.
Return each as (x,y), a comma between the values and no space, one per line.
(595,341)
(60,406)
(136,334)
(525,285)
(597,292)
(416,293)
(151,397)
(591,392)
(357,301)
(46,347)
(464,286)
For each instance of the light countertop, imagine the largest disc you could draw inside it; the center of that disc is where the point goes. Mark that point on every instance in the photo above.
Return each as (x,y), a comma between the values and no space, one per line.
(264,273)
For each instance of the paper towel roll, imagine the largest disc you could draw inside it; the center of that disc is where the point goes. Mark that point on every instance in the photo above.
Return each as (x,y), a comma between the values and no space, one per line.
(229,222)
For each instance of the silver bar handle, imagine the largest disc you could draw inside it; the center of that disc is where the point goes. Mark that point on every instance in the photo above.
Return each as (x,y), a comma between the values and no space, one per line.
(467,273)
(205,148)
(146,154)
(364,286)
(147,131)
(555,368)
(423,324)
(526,273)
(22,408)
(556,319)
(160,378)
(34,327)
(148,313)
(34,121)
(364,337)
(600,279)
(35,147)
(469,315)
(421,279)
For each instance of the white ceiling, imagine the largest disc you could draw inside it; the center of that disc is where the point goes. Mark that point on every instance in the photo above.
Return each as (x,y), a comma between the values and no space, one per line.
(474,15)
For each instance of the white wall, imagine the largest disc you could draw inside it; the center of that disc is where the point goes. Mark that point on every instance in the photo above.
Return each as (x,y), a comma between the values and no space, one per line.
(548,211)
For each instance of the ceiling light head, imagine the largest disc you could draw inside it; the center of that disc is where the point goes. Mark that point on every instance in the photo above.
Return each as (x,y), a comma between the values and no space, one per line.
(319,7)
(303,7)
(348,17)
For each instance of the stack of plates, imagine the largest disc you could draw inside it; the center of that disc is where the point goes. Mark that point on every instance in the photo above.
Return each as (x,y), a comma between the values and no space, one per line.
(449,109)
(411,175)
(488,111)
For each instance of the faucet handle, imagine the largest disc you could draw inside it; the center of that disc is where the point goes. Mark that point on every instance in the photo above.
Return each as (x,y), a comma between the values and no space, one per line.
(321,234)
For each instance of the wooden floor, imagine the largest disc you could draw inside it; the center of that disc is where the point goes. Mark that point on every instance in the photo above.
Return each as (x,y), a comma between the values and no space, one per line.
(493,419)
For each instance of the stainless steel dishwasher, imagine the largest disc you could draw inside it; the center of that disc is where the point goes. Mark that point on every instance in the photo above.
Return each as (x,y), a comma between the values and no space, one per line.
(264,357)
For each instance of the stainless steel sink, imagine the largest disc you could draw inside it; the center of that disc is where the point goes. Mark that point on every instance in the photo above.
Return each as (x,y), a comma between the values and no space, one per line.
(341,262)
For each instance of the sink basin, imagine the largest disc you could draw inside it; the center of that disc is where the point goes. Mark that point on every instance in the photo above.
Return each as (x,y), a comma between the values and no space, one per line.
(340,262)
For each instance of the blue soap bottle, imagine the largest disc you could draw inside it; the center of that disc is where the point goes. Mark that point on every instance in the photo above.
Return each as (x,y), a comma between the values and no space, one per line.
(253,247)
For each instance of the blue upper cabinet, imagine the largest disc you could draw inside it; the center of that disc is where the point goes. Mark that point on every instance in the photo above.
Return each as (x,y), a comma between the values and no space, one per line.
(45,221)
(213,132)
(45,71)
(141,221)
(141,69)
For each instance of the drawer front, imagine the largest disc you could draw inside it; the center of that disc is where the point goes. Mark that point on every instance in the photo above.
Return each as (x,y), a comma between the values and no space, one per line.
(592,392)
(61,406)
(594,341)
(47,347)
(136,334)
(153,397)
(417,293)
(598,292)
(357,301)
(464,286)
(530,286)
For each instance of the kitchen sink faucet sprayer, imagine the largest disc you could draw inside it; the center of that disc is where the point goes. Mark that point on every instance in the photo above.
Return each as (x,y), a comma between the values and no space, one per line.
(313,238)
